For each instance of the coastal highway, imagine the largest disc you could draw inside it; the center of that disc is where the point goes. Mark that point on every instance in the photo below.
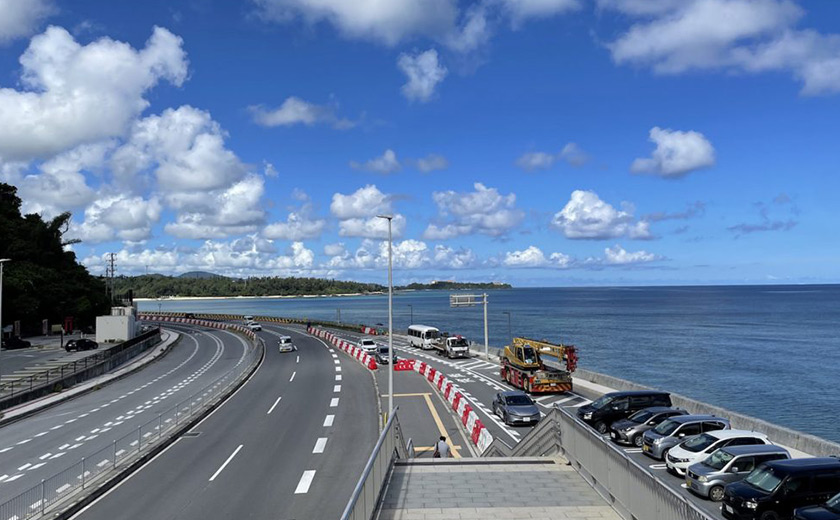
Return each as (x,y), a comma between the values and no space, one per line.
(55,438)
(290,443)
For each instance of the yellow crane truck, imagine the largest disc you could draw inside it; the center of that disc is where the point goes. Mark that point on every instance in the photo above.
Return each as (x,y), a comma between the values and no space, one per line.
(522,366)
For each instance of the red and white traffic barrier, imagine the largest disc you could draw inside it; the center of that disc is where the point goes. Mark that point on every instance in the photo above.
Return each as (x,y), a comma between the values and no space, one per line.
(453,395)
(355,352)
(203,323)
(368,330)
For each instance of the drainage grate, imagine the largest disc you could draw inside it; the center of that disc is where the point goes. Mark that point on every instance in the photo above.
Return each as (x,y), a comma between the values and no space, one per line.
(191,434)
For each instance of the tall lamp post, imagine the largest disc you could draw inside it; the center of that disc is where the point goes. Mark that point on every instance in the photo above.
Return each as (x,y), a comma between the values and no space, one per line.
(411,309)
(390,320)
(2,261)
(510,337)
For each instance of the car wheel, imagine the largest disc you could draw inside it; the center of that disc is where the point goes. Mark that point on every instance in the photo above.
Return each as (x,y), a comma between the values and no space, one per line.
(716,493)
(601,427)
(665,454)
(638,441)
(769,515)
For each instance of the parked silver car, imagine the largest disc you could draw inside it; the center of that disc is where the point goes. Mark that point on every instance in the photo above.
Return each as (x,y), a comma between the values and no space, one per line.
(630,430)
(516,407)
(729,464)
(673,431)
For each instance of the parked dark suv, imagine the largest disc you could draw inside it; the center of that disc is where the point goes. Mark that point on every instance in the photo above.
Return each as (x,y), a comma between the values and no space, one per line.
(775,489)
(828,511)
(613,406)
(632,429)
(81,344)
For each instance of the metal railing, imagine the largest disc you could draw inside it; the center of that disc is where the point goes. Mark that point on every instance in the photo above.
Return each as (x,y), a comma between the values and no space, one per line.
(125,451)
(366,496)
(111,356)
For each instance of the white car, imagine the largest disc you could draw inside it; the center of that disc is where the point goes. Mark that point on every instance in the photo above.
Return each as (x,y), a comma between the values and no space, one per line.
(368,345)
(697,448)
(254,326)
(285,344)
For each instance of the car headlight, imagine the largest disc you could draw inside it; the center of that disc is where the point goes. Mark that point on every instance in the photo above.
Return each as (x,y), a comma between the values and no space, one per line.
(587,415)
(749,504)
(658,441)
(702,478)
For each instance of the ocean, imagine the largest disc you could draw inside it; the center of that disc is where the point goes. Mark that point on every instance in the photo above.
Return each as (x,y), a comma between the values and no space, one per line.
(772,352)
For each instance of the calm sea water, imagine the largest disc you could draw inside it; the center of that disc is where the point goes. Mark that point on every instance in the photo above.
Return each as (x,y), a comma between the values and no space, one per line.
(768,351)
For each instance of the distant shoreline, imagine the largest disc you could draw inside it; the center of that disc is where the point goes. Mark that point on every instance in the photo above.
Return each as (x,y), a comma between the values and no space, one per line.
(273,297)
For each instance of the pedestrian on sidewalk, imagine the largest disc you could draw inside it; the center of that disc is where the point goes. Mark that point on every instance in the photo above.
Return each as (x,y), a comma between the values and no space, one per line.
(441,449)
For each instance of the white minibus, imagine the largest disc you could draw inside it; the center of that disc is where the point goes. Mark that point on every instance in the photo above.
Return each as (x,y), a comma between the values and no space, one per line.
(422,336)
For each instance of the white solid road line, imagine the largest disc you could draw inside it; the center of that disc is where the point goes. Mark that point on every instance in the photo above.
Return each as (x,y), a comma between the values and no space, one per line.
(232,455)
(305,482)
(329,420)
(320,444)
(274,405)
(293,377)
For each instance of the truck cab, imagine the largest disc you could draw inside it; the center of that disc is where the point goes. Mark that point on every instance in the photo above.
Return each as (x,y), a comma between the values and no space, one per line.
(455,347)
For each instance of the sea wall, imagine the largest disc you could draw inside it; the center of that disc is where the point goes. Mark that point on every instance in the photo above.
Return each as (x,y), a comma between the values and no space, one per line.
(778,434)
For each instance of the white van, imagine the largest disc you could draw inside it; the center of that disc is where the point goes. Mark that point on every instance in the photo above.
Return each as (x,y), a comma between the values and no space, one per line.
(423,336)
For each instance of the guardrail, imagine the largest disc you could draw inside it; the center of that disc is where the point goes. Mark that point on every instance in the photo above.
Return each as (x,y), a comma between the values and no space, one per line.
(23,389)
(53,493)
(368,492)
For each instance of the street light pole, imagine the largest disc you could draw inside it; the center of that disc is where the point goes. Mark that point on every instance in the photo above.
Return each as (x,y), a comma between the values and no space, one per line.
(2,261)
(510,336)
(411,308)
(390,320)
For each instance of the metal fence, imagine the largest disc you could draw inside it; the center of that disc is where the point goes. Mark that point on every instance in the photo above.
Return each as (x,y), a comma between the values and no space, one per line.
(390,447)
(11,391)
(123,452)
(630,488)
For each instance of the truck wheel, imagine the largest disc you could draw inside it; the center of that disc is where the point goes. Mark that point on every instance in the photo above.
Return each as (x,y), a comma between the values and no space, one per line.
(638,440)
(716,494)
(601,427)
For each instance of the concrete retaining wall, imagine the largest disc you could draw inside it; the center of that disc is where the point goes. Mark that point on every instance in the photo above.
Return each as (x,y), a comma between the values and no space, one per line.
(804,442)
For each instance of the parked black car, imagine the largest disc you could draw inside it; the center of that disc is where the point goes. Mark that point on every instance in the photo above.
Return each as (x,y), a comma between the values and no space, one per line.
(81,344)
(516,407)
(15,342)
(828,511)
(773,490)
(613,406)
(632,429)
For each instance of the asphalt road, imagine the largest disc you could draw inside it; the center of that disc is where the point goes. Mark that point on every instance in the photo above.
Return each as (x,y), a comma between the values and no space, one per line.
(46,443)
(291,443)
(13,360)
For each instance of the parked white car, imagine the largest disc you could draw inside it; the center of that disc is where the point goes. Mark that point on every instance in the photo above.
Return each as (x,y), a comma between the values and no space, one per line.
(368,345)
(697,448)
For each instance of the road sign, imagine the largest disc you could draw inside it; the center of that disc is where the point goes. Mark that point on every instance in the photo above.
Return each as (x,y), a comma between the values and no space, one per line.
(464,300)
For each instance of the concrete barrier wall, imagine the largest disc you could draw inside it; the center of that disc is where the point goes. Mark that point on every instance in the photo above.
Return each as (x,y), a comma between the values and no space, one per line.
(804,442)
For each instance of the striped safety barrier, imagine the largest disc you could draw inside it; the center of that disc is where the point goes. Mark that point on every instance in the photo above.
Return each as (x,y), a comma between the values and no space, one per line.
(203,323)
(351,349)
(452,394)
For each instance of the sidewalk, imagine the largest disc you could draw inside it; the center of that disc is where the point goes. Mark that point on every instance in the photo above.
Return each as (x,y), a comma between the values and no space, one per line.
(168,339)
(513,488)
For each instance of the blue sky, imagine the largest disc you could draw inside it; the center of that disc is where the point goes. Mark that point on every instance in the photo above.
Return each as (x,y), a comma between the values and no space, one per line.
(538,142)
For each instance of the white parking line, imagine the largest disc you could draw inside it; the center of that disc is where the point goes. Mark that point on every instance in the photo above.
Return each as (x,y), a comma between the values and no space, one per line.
(320,445)
(293,377)
(305,482)
(274,405)
(232,455)
(329,420)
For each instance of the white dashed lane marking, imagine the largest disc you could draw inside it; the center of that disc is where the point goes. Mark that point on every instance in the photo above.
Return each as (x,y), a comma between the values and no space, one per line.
(274,405)
(305,482)
(329,420)
(334,402)
(320,445)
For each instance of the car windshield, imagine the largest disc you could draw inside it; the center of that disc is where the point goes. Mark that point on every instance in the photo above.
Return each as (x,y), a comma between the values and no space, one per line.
(699,443)
(718,459)
(666,427)
(431,334)
(519,400)
(383,350)
(285,340)
(641,417)
(460,342)
(833,503)
(367,342)
(601,402)
(764,479)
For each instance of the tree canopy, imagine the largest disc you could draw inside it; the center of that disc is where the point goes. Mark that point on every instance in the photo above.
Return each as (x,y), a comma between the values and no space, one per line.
(156,286)
(43,280)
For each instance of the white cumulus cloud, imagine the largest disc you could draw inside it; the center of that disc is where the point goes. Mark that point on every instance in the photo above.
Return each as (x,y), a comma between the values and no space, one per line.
(384,164)
(424,73)
(586,216)
(534,257)
(357,214)
(300,224)
(294,111)
(430,163)
(521,10)
(74,94)
(677,153)
(536,161)
(484,211)
(616,255)
(21,17)
(127,218)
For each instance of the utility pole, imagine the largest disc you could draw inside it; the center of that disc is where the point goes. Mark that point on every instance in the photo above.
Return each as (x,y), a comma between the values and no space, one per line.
(110,269)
